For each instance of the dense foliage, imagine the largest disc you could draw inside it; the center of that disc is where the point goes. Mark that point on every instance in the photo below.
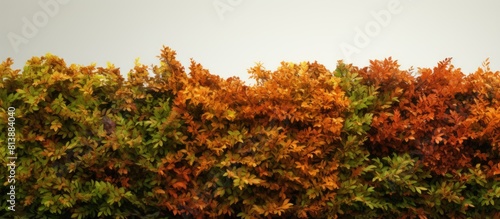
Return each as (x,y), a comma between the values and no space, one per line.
(302,142)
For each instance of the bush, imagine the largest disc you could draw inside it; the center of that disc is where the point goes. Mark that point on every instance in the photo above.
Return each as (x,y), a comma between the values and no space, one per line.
(373,142)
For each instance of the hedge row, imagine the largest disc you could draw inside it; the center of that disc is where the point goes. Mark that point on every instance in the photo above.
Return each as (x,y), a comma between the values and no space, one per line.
(303,142)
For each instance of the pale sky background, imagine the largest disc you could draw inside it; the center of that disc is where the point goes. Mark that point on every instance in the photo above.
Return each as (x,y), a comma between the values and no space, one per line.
(230,36)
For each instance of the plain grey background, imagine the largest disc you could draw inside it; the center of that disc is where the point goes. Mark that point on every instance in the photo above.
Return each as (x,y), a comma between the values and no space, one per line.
(230,36)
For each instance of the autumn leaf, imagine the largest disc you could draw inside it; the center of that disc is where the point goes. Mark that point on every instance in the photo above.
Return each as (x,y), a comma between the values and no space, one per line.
(122,171)
(159,191)
(230,115)
(55,125)
(40,138)
(179,185)
(357,171)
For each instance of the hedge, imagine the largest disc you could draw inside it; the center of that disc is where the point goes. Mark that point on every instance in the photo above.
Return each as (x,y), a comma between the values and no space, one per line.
(302,142)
